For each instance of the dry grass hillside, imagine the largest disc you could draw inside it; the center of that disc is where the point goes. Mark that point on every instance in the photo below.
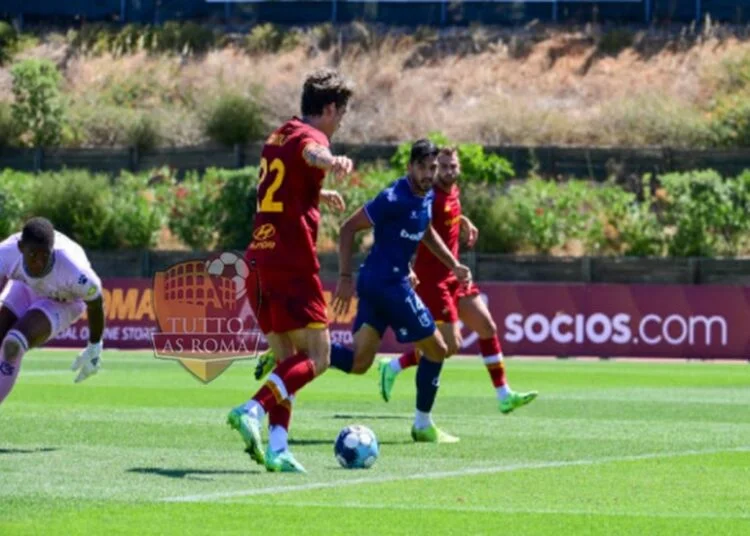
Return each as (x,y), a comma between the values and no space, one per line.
(534,87)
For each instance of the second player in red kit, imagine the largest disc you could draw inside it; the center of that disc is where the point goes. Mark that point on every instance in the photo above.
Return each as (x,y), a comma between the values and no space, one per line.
(449,300)
(439,289)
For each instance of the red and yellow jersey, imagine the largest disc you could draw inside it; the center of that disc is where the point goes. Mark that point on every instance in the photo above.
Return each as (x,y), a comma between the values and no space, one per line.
(287,217)
(446,220)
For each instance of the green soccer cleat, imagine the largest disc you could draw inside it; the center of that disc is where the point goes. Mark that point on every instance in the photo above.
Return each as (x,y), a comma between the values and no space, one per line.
(432,434)
(516,400)
(282,462)
(387,378)
(266,363)
(249,429)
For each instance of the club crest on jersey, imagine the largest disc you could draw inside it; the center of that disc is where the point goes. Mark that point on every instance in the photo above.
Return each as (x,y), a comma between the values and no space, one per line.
(414,215)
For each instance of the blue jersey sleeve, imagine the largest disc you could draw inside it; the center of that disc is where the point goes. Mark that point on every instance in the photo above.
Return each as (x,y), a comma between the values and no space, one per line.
(377,208)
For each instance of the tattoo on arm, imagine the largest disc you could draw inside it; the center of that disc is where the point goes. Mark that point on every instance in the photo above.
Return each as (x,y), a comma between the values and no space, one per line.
(317,156)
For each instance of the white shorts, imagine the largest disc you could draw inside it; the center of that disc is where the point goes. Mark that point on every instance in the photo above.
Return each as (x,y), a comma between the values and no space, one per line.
(19,298)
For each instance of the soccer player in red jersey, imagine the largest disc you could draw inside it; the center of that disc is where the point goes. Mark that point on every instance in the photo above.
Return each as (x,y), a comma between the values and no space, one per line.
(282,256)
(448,299)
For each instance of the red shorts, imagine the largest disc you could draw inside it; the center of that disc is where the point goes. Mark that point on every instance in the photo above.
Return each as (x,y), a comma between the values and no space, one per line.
(442,298)
(287,301)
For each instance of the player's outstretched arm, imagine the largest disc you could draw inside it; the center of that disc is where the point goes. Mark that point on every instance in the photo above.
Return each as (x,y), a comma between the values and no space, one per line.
(88,362)
(435,244)
(321,157)
(8,250)
(359,221)
(95,313)
(469,230)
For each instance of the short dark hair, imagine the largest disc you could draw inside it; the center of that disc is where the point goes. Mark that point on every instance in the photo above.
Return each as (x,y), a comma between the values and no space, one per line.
(323,87)
(38,232)
(448,150)
(421,149)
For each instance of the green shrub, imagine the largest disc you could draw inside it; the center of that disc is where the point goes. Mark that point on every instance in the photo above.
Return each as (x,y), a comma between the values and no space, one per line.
(174,37)
(479,166)
(16,191)
(143,132)
(730,123)
(92,38)
(236,205)
(234,119)
(8,42)
(476,164)
(496,219)
(128,40)
(653,120)
(709,214)
(542,216)
(137,215)
(268,38)
(78,204)
(98,125)
(38,108)
(184,38)
(626,227)
(193,211)
(547,213)
(8,127)
(615,41)
(109,126)
(98,213)
(215,210)
(734,75)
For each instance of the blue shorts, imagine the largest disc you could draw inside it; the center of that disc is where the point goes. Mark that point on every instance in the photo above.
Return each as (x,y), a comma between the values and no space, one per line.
(395,305)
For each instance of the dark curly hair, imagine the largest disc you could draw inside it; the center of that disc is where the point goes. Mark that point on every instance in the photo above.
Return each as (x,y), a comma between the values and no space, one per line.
(323,87)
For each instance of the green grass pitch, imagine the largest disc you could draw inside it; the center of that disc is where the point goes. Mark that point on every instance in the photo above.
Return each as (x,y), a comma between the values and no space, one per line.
(608,448)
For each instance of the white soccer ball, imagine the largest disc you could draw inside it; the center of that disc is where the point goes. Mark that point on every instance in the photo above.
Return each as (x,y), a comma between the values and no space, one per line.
(231,266)
(356,447)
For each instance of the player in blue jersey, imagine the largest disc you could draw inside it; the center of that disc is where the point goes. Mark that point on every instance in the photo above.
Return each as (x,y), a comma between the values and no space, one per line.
(400,216)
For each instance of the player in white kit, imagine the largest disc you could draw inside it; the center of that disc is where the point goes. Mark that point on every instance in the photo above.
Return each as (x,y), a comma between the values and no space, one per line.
(50,283)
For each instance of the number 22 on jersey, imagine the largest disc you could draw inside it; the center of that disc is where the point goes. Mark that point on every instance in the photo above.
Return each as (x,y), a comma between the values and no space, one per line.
(266,203)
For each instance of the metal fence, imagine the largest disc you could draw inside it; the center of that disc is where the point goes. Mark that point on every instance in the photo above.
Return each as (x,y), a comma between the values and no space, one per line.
(584,162)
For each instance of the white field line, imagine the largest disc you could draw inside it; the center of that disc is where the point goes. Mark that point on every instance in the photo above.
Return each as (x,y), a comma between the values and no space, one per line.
(273,490)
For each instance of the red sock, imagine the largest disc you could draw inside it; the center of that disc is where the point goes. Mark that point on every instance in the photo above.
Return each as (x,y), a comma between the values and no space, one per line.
(409,359)
(281,415)
(287,378)
(492,355)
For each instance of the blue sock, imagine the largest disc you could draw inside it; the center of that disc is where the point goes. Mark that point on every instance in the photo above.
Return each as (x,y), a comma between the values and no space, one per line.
(342,357)
(428,379)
